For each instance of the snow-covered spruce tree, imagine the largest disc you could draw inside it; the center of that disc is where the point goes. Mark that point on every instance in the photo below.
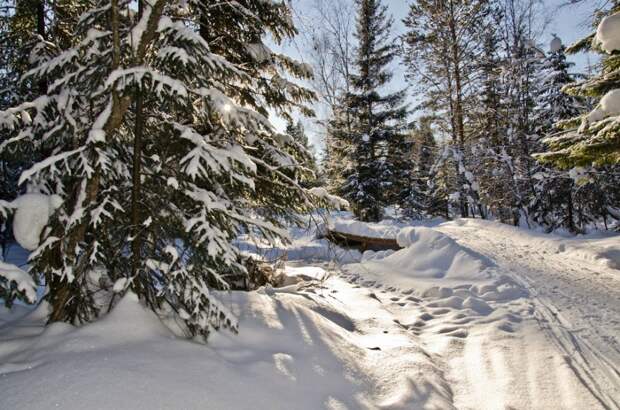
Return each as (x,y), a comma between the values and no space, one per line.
(155,124)
(440,183)
(24,28)
(519,90)
(378,121)
(590,143)
(555,188)
(20,25)
(338,153)
(593,139)
(488,125)
(307,175)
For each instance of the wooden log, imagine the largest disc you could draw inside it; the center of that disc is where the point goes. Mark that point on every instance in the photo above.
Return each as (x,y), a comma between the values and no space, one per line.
(363,243)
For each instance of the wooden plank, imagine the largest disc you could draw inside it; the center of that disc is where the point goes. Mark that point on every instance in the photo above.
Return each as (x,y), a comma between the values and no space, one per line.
(362,243)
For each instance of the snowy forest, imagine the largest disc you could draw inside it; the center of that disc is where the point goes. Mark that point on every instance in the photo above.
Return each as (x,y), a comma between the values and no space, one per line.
(310,204)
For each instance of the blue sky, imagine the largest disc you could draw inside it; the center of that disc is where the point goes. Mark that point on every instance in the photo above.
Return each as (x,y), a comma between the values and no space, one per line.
(569,23)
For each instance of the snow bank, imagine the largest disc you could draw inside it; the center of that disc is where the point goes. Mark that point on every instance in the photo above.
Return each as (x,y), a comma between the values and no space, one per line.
(32,215)
(602,251)
(601,248)
(608,33)
(428,254)
(292,352)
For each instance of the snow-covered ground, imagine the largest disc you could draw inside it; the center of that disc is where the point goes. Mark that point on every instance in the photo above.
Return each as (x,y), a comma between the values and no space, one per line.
(468,315)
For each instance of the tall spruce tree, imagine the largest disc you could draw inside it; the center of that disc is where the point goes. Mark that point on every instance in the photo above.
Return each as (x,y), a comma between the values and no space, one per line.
(589,143)
(555,189)
(489,129)
(338,154)
(155,135)
(378,121)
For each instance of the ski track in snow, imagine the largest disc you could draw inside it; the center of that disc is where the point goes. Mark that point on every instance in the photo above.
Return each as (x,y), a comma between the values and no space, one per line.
(577,303)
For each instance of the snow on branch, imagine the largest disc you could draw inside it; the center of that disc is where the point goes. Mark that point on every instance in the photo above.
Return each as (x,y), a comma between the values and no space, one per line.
(12,275)
(332,200)
(49,162)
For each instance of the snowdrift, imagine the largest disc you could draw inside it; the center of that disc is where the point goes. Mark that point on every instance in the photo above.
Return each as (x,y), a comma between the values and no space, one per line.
(292,352)
(427,254)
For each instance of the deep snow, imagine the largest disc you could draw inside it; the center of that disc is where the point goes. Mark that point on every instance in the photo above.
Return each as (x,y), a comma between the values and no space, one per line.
(469,315)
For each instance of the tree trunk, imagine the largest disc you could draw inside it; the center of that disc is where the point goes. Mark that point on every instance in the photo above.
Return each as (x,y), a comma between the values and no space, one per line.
(136,183)
(458,106)
(41,32)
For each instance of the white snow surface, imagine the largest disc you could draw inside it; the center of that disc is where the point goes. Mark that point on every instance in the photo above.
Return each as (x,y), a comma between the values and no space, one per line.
(32,214)
(470,314)
(608,33)
(427,254)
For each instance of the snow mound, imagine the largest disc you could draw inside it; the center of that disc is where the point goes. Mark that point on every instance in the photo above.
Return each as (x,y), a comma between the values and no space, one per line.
(432,254)
(292,275)
(608,33)
(129,321)
(32,214)
(429,257)
(370,255)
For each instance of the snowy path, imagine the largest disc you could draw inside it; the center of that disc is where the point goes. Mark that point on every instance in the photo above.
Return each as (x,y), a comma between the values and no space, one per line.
(577,301)
(470,315)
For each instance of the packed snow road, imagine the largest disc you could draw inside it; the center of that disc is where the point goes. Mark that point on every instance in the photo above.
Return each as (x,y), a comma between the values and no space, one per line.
(515,318)
(576,291)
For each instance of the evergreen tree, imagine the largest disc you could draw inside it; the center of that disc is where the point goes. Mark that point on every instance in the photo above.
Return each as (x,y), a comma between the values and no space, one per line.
(593,139)
(555,188)
(338,153)
(417,202)
(155,136)
(377,132)
(489,128)
(589,142)
(308,174)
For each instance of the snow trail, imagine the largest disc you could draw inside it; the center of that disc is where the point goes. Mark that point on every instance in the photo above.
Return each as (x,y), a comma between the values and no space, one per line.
(471,315)
(577,302)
